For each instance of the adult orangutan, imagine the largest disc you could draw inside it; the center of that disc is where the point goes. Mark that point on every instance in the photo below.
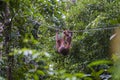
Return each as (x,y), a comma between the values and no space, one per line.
(63,43)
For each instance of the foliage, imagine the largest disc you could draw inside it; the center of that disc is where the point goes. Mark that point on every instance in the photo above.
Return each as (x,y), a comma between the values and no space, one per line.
(100,67)
(28,65)
(32,38)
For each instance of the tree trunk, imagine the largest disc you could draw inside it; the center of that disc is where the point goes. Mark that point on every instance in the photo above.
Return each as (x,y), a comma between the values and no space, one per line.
(7,40)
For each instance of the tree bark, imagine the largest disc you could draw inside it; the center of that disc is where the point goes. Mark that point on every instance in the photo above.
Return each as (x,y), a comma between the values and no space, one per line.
(7,40)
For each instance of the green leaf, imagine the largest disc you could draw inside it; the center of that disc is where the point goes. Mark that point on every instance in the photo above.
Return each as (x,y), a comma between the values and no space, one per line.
(100,72)
(99,62)
(36,77)
(40,72)
(67,75)
(80,75)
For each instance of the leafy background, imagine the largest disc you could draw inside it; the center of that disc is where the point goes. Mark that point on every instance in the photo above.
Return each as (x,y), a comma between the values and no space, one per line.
(31,25)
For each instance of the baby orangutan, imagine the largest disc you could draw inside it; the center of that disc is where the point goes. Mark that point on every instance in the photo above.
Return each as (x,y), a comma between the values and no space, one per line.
(63,44)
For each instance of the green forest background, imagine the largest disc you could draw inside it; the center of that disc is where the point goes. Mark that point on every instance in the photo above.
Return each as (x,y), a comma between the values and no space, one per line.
(27,39)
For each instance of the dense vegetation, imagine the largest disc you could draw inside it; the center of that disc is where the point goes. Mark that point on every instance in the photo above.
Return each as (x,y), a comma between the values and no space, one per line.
(27,39)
